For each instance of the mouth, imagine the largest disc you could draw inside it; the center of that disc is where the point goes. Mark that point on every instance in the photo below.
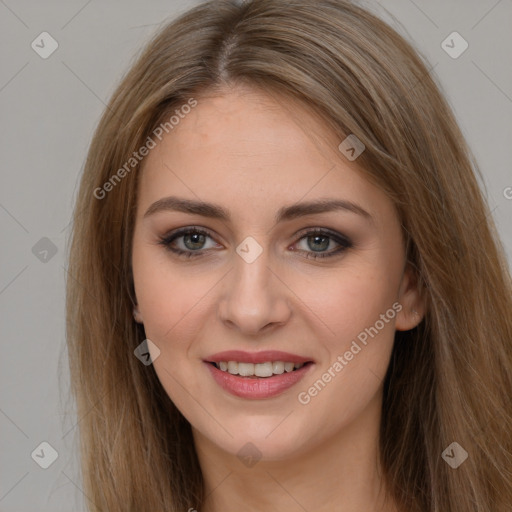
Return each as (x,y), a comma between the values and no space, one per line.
(257,375)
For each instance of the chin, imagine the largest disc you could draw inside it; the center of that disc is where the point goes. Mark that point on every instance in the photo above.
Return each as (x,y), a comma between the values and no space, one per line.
(270,438)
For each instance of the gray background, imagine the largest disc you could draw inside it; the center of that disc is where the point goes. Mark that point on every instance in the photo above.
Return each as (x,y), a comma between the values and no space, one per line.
(49,110)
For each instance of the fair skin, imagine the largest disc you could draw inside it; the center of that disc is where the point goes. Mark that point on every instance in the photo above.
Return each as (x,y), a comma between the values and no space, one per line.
(252,155)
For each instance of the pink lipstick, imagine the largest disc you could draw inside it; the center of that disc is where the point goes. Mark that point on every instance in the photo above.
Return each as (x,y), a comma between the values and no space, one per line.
(257,375)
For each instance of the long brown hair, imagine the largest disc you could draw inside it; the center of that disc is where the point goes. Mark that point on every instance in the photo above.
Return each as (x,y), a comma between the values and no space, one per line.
(450,379)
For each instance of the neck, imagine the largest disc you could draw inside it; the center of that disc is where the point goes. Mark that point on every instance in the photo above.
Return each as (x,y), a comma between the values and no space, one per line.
(342,473)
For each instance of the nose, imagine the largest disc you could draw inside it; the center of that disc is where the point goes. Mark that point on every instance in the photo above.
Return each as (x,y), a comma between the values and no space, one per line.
(254,299)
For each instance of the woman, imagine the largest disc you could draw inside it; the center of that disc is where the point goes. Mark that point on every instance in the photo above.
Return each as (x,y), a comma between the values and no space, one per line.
(288,292)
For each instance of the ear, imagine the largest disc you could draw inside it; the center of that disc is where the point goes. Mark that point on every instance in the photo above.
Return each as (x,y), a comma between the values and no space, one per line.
(413,307)
(137,315)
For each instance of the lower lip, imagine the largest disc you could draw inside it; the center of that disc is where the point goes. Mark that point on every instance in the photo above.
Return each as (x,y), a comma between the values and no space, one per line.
(260,387)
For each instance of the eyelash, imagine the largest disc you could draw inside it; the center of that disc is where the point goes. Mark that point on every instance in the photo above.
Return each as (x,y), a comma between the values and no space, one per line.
(344,242)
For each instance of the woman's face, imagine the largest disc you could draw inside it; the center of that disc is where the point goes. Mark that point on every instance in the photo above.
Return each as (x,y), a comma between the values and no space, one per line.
(257,181)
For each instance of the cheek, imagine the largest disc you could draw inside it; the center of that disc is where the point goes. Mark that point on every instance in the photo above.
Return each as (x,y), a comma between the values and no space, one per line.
(347,302)
(357,347)
(171,306)
(165,297)
(356,312)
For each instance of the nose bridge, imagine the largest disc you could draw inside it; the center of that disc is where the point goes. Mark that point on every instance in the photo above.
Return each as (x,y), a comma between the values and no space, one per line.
(252,298)
(253,274)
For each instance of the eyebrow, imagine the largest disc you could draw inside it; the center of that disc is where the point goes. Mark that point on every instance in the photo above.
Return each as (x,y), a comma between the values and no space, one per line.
(286,213)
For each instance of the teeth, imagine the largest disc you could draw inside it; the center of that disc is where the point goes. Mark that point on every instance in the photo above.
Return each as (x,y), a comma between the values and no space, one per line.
(288,367)
(263,369)
(245,369)
(278,367)
(266,369)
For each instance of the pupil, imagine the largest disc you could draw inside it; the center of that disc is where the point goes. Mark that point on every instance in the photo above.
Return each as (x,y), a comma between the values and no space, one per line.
(197,240)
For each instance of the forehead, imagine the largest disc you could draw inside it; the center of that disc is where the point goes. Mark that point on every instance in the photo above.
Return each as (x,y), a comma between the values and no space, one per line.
(251,150)
(247,126)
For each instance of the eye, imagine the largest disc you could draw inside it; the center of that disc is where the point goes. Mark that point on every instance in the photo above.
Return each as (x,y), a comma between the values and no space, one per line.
(190,242)
(319,240)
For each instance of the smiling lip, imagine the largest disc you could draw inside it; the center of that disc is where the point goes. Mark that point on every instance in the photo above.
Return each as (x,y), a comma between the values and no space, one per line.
(256,357)
(257,388)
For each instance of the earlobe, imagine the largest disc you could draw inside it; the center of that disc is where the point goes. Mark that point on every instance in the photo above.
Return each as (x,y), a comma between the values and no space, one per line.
(407,319)
(137,315)
(413,307)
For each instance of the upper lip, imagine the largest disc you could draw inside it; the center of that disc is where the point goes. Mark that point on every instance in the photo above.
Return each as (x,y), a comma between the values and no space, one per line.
(257,357)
